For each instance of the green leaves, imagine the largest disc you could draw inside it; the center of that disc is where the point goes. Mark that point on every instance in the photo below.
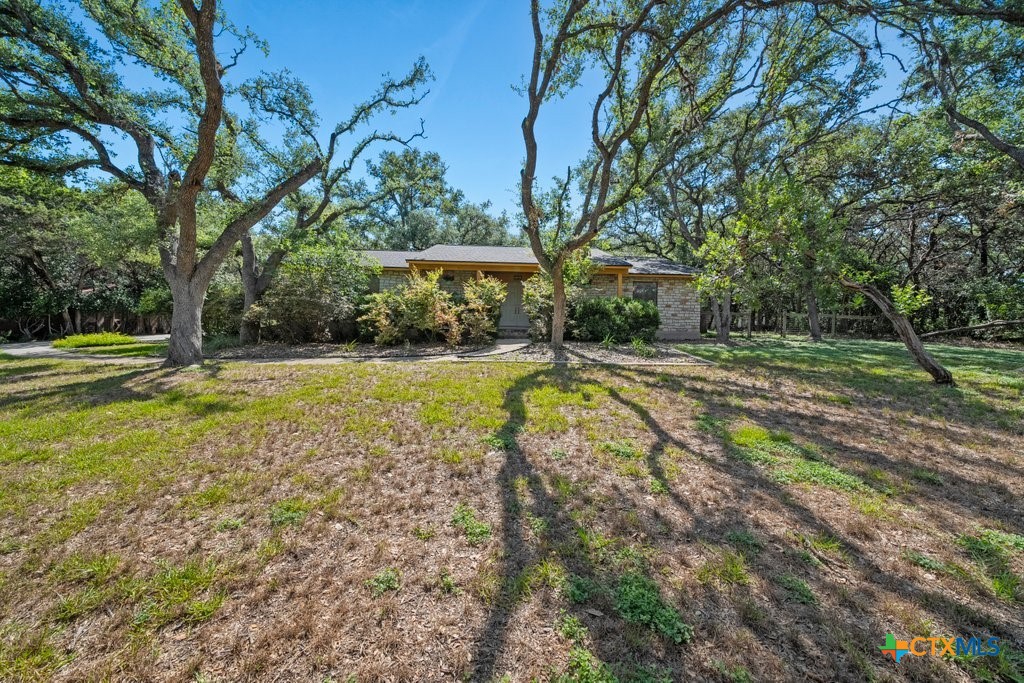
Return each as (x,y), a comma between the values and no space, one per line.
(909,298)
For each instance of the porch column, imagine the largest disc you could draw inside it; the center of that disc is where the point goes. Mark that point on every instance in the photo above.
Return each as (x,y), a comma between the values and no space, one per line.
(619,276)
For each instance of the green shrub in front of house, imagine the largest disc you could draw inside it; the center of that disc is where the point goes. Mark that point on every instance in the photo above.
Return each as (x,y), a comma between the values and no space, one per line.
(422,311)
(481,309)
(538,294)
(600,318)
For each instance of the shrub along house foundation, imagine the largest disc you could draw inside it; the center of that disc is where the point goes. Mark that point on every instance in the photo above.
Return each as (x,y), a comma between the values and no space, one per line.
(670,285)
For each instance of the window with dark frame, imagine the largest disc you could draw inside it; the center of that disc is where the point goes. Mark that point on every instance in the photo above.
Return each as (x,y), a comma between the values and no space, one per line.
(646,291)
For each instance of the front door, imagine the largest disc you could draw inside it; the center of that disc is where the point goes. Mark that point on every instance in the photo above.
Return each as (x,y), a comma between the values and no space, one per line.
(512,314)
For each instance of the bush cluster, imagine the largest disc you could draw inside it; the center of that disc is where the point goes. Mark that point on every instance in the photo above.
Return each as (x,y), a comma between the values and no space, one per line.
(600,318)
(423,311)
(313,297)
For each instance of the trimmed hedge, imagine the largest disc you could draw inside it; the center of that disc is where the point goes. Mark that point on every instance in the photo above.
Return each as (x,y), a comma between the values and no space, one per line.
(600,318)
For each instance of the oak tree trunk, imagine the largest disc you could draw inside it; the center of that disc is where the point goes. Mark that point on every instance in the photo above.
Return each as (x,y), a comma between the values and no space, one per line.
(813,320)
(249,329)
(186,343)
(904,329)
(256,279)
(558,310)
(721,310)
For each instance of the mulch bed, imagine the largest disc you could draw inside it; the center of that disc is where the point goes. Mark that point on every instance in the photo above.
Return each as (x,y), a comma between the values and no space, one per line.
(588,352)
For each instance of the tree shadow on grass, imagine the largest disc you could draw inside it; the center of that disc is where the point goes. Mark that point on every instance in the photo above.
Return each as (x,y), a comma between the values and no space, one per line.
(104,385)
(841,641)
(587,557)
(752,478)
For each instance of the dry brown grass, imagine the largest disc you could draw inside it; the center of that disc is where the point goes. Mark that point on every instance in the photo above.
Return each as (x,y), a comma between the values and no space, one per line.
(228,524)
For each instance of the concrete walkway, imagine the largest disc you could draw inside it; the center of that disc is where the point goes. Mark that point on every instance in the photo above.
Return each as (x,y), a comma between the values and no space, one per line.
(44,349)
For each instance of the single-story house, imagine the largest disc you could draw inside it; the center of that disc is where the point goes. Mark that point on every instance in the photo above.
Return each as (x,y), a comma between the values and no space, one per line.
(670,285)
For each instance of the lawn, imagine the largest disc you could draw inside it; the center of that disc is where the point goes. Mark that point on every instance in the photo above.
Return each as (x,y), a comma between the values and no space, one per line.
(768,518)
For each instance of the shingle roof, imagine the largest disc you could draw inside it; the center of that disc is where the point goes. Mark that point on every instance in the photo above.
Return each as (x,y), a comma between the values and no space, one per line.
(657,266)
(521,255)
(390,259)
(475,254)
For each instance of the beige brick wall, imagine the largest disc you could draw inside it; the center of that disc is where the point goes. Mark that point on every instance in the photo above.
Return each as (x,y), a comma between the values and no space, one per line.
(678,302)
(451,280)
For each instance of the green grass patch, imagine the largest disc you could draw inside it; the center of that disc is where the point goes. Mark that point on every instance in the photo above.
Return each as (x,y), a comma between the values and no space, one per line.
(175,593)
(288,512)
(727,568)
(79,341)
(992,551)
(639,601)
(141,350)
(476,531)
(624,450)
(786,461)
(797,589)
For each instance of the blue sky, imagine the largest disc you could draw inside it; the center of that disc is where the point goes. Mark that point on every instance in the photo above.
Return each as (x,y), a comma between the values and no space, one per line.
(478,49)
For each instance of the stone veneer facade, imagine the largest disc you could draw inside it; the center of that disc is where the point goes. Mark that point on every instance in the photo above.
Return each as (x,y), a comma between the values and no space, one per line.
(678,301)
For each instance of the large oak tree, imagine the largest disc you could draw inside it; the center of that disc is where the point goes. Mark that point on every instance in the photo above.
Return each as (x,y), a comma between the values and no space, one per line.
(65,107)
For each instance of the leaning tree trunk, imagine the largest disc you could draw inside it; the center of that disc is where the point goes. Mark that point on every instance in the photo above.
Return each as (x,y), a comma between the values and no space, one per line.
(186,342)
(558,309)
(904,329)
(813,320)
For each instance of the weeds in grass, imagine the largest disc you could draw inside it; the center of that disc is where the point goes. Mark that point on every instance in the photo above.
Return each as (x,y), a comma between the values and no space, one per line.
(639,601)
(797,589)
(622,449)
(230,524)
(79,568)
(727,568)
(465,518)
(571,628)
(992,551)
(745,541)
(933,565)
(585,668)
(578,589)
(270,548)
(288,512)
(709,424)
(500,442)
(558,454)
(733,674)
(424,533)
(28,653)
(387,579)
(77,604)
(538,525)
(1008,665)
(927,476)
(446,582)
(641,349)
